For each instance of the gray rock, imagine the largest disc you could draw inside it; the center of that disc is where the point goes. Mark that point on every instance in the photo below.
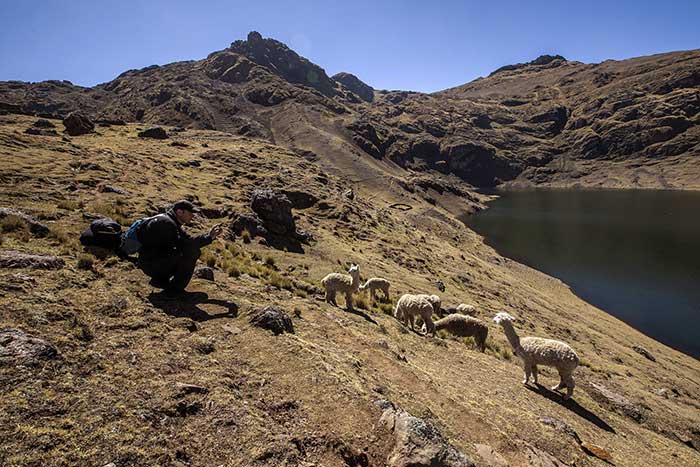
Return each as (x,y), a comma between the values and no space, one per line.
(250,222)
(206,273)
(417,442)
(19,347)
(273,319)
(40,131)
(440,285)
(113,189)
(616,402)
(561,426)
(154,132)
(41,123)
(300,199)
(15,259)
(35,227)
(642,351)
(77,123)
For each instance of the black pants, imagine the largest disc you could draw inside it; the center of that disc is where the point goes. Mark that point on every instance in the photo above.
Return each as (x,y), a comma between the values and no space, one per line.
(172,272)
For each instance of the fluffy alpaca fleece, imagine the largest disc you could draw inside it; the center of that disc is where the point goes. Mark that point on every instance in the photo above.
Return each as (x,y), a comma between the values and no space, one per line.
(535,351)
(464,326)
(377,283)
(435,302)
(409,306)
(465,309)
(343,283)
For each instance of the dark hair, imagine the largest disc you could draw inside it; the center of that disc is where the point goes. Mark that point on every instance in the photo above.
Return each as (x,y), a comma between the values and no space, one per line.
(185,206)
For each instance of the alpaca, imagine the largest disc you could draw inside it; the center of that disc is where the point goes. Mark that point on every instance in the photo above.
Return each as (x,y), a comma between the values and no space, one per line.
(377,283)
(335,282)
(464,326)
(535,351)
(409,306)
(465,309)
(434,301)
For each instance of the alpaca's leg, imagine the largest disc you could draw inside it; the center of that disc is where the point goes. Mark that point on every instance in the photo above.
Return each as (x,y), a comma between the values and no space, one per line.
(429,326)
(372,294)
(410,320)
(348,301)
(562,382)
(329,296)
(569,380)
(534,373)
(526,368)
(333,298)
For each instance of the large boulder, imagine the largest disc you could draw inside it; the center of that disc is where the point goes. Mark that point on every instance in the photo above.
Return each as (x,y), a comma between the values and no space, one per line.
(19,347)
(77,123)
(155,132)
(417,443)
(275,210)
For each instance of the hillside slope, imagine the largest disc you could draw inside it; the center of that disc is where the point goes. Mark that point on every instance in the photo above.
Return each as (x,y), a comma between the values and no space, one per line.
(137,380)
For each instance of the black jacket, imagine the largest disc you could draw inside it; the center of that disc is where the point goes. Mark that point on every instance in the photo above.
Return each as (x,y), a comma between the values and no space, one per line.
(162,236)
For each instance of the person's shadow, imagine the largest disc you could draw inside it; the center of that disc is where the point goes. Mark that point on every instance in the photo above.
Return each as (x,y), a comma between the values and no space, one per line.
(186,306)
(573,406)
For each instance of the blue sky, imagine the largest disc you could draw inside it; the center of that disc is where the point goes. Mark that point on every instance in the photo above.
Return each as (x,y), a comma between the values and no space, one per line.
(421,46)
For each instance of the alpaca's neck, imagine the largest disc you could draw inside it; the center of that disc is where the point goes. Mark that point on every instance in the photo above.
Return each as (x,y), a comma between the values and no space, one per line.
(511,335)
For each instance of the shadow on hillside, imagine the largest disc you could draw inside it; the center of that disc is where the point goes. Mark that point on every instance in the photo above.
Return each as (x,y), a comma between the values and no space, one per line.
(361,314)
(572,405)
(186,307)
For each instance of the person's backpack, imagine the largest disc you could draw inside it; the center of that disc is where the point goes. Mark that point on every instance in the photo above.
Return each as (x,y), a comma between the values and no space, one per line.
(104,233)
(130,242)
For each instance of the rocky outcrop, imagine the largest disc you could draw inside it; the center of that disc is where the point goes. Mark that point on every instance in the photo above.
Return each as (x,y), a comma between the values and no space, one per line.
(417,442)
(15,259)
(20,348)
(354,84)
(35,226)
(77,123)
(154,132)
(275,210)
(272,319)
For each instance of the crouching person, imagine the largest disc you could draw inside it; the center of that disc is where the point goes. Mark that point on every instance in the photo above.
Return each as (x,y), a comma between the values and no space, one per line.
(168,254)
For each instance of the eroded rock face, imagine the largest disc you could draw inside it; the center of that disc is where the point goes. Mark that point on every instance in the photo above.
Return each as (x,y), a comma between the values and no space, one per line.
(417,442)
(19,347)
(15,259)
(77,123)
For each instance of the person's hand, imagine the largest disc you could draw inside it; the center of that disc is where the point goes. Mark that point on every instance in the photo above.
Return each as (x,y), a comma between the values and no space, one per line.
(215,231)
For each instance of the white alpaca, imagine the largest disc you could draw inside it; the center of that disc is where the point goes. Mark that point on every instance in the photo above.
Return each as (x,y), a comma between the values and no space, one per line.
(464,326)
(535,351)
(434,301)
(377,283)
(348,285)
(465,309)
(409,306)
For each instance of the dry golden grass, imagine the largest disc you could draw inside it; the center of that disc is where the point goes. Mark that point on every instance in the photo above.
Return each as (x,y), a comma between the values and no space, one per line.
(114,394)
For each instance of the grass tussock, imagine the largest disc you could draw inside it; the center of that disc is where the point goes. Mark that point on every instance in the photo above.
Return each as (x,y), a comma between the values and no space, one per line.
(86,262)
(116,211)
(70,205)
(245,236)
(13,223)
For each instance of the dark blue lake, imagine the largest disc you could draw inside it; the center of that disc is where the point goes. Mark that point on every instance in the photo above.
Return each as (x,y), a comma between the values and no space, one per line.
(633,253)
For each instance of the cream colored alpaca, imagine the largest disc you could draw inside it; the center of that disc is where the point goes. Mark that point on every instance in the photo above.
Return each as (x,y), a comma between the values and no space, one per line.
(343,283)
(535,351)
(377,283)
(409,306)
(464,326)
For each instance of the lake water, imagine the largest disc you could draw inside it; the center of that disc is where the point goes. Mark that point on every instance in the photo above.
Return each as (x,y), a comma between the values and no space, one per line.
(633,253)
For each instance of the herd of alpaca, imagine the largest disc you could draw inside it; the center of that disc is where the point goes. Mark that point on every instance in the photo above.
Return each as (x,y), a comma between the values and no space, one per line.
(460,321)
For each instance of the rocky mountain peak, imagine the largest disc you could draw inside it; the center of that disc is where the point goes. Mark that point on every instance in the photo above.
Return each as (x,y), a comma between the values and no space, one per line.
(356,85)
(284,62)
(551,60)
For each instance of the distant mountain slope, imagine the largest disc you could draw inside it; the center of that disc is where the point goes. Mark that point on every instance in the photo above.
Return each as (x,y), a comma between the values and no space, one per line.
(548,121)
